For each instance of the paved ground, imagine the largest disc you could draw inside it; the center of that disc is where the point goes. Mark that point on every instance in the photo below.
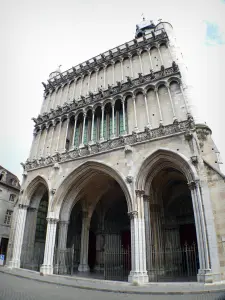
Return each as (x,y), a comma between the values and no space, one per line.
(16,288)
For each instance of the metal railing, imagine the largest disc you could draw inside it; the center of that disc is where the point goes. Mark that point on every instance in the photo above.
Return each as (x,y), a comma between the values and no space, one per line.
(174,264)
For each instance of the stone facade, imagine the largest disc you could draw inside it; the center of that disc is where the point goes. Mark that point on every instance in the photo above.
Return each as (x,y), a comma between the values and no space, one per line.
(123,126)
(9,192)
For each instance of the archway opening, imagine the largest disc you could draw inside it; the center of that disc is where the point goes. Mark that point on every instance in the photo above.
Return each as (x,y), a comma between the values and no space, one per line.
(35,230)
(173,246)
(97,243)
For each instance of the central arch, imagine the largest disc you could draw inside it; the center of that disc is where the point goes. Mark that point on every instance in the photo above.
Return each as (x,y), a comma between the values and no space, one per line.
(94,223)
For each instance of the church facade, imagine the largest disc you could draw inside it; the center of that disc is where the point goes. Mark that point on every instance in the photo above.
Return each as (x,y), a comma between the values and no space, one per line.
(122,179)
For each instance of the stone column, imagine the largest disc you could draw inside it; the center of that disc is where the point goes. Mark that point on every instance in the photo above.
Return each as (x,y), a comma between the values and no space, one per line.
(92,126)
(67,126)
(47,267)
(74,133)
(102,124)
(81,85)
(150,59)
(113,120)
(19,233)
(121,64)
(89,80)
(131,66)
(38,142)
(74,89)
(124,117)
(113,72)
(159,107)
(61,259)
(138,272)
(204,273)
(60,98)
(82,140)
(67,96)
(50,144)
(148,236)
(46,128)
(60,127)
(83,266)
(139,55)
(96,83)
(147,112)
(135,114)
(53,103)
(104,76)
(160,55)
(172,104)
(185,100)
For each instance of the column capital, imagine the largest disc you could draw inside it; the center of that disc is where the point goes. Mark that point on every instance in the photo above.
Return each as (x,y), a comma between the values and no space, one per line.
(133,214)
(52,220)
(139,193)
(193,184)
(32,209)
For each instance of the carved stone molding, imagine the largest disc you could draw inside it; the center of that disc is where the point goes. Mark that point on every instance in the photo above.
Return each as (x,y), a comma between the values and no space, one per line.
(139,193)
(104,146)
(53,191)
(146,198)
(194,159)
(119,88)
(193,184)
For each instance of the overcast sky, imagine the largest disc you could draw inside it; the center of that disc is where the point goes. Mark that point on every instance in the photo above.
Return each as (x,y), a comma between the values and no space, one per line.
(37,36)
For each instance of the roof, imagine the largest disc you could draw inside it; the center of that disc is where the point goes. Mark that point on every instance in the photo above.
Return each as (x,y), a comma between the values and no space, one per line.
(11,179)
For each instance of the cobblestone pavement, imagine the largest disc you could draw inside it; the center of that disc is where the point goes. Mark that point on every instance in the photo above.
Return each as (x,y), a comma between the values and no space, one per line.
(14,288)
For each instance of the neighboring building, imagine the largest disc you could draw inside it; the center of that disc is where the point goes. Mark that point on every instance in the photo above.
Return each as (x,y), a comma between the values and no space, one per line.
(9,192)
(122,179)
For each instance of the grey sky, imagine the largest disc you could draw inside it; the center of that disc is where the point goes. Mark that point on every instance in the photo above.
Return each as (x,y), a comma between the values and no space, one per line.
(37,36)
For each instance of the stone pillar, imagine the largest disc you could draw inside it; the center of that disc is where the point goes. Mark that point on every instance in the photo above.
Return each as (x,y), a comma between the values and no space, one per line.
(38,141)
(82,140)
(113,120)
(147,112)
(124,117)
(113,72)
(67,126)
(159,107)
(74,89)
(47,267)
(160,55)
(172,104)
(81,85)
(102,124)
(60,127)
(148,236)
(19,233)
(121,64)
(150,59)
(83,266)
(50,144)
(205,273)
(131,66)
(140,60)
(135,114)
(74,133)
(96,83)
(92,126)
(61,260)
(46,129)
(138,272)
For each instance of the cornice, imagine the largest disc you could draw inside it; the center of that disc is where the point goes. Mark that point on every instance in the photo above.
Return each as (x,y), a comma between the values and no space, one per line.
(102,95)
(107,57)
(109,145)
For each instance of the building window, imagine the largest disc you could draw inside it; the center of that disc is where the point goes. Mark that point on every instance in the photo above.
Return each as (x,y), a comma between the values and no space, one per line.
(12,197)
(8,217)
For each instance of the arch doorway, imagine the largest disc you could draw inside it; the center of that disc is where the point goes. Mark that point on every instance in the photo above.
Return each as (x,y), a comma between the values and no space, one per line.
(33,247)
(172,242)
(97,242)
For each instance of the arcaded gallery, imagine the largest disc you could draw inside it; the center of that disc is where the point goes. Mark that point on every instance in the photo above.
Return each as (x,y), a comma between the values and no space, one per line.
(123,180)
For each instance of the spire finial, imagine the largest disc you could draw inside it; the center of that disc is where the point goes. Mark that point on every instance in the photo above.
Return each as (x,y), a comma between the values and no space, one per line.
(143,17)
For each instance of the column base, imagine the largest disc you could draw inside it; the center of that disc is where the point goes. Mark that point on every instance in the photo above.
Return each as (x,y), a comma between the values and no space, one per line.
(101,139)
(83,268)
(206,276)
(81,146)
(13,264)
(138,277)
(46,270)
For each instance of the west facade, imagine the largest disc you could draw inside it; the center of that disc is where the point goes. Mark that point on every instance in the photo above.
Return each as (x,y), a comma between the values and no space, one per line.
(122,178)
(9,192)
